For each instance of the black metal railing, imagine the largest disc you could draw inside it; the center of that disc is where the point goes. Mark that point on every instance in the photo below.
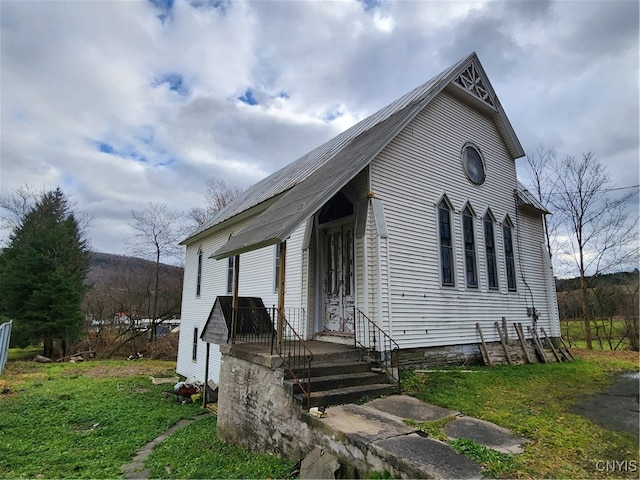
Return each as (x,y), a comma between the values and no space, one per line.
(297,358)
(259,326)
(380,347)
(255,325)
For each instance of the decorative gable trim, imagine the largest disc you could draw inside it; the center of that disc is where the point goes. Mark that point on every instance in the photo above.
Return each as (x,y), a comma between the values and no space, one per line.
(471,80)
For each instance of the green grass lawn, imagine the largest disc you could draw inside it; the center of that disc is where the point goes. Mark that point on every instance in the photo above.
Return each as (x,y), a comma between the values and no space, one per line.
(23,353)
(606,335)
(86,420)
(533,401)
(204,456)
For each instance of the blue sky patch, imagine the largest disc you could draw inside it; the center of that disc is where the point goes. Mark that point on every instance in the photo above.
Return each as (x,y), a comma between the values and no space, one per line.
(127,152)
(137,156)
(175,81)
(164,6)
(220,5)
(329,117)
(248,98)
(370,4)
(104,147)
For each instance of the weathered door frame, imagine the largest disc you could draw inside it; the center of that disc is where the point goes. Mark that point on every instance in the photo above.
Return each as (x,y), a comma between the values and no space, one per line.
(335,227)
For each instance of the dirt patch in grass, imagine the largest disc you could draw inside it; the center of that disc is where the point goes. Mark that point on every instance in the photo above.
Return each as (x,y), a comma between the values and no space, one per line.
(624,355)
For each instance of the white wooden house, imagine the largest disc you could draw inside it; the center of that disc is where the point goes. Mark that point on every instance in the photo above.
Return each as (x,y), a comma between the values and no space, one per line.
(413,217)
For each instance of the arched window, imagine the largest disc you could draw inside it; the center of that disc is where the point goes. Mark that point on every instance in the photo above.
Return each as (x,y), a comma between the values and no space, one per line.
(230,270)
(490,250)
(446,243)
(276,266)
(469,239)
(194,347)
(509,257)
(199,274)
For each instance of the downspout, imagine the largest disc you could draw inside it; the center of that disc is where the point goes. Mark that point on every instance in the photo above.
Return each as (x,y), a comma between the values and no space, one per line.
(534,313)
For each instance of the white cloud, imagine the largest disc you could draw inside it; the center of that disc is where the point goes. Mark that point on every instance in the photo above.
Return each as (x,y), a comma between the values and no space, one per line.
(162,96)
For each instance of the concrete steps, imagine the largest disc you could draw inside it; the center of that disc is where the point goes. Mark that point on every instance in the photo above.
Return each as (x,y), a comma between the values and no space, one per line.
(332,382)
(339,381)
(340,396)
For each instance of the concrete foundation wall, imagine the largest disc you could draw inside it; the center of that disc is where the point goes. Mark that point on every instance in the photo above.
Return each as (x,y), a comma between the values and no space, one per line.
(425,357)
(255,411)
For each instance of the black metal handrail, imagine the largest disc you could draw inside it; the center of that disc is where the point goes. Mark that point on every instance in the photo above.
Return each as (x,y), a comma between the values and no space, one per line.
(259,326)
(297,358)
(380,347)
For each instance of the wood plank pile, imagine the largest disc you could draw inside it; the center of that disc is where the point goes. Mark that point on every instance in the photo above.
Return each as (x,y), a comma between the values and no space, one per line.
(534,346)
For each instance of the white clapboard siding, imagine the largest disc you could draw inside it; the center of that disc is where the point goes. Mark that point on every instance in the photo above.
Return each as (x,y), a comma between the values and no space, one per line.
(256,278)
(195,310)
(410,176)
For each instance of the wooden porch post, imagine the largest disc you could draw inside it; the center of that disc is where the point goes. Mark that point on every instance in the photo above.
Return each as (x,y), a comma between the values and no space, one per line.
(234,298)
(281,283)
(206,377)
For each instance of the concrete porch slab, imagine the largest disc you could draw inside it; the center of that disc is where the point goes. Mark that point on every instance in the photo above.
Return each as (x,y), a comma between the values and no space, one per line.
(359,425)
(485,433)
(404,406)
(419,457)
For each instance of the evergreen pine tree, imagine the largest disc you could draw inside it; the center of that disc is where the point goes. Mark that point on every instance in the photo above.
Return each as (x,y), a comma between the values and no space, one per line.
(42,274)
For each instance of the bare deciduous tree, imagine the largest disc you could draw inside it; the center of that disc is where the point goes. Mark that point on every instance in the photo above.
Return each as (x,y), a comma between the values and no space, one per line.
(540,165)
(218,196)
(600,234)
(158,231)
(14,207)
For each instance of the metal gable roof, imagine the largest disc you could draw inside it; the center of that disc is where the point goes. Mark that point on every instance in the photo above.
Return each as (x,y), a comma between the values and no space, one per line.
(305,184)
(277,222)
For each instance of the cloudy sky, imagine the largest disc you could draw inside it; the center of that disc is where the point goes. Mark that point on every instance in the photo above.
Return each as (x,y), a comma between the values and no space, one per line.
(124,102)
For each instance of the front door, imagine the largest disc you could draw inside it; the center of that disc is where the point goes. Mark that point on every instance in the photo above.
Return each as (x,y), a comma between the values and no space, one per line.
(339,294)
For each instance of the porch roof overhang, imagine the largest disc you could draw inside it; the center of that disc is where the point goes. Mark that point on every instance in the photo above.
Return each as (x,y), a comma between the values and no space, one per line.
(277,222)
(527,201)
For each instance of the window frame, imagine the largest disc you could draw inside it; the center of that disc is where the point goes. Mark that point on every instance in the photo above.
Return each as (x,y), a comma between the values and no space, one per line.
(469,244)
(199,274)
(465,163)
(509,260)
(491,257)
(230,272)
(194,348)
(276,267)
(447,261)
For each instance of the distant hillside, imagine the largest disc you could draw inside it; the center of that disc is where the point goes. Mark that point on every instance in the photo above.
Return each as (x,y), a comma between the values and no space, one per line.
(106,267)
(609,280)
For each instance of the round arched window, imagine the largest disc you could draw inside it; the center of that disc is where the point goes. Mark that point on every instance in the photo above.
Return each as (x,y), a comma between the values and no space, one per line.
(473,164)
